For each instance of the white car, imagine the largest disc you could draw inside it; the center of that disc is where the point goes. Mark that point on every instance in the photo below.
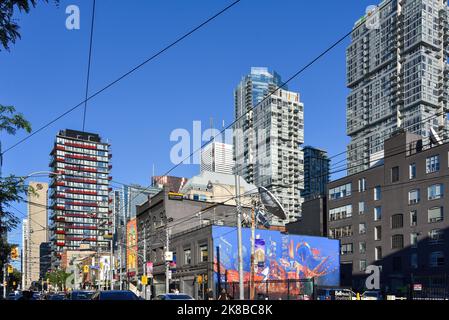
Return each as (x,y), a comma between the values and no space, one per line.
(371,295)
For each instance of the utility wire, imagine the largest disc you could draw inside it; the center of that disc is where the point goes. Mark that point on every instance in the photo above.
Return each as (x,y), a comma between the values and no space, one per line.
(123,76)
(89,62)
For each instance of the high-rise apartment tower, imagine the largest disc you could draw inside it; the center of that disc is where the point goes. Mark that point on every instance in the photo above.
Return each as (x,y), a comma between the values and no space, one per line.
(397,72)
(267,138)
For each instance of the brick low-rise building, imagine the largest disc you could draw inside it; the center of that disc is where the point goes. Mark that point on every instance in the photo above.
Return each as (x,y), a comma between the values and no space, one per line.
(394,215)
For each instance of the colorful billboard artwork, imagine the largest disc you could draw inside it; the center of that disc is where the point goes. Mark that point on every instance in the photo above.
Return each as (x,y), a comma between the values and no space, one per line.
(131,249)
(279,256)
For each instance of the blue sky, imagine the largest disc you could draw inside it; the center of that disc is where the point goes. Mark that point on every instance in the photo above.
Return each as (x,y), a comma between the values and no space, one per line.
(44,74)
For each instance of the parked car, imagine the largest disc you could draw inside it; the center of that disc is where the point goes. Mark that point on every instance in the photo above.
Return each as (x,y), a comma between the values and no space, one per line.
(174,296)
(335,294)
(57,297)
(115,295)
(371,295)
(13,296)
(80,295)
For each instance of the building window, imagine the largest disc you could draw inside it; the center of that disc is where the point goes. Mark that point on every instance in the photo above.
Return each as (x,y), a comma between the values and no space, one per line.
(203,253)
(362,228)
(377,193)
(433,164)
(435,214)
(361,207)
(413,218)
(397,221)
(435,191)
(378,253)
(340,192)
(412,171)
(414,240)
(346,249)
(413,196)
(362,247)
(395,174)
(436,236)
(341,232)
(362,185)
(362,265)
(377,233)
(377,213)
(414,261)
(187,256)
(437,259)
(397,241)
(340,213)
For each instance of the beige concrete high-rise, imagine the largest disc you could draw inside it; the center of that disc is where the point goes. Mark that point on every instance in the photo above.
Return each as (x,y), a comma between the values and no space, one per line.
(37,230)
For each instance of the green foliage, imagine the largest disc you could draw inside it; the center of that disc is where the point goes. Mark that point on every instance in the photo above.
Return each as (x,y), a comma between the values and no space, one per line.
(10,121)
(58,278)
(9,29)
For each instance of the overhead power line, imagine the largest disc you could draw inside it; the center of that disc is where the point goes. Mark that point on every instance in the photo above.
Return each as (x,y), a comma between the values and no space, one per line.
(125,75)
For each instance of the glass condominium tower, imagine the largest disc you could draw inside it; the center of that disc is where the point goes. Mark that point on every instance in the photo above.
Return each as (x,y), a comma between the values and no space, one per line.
(267,138)
(397,73)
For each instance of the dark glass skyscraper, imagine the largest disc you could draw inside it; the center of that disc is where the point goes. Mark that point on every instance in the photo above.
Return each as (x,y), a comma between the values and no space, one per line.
(316,172)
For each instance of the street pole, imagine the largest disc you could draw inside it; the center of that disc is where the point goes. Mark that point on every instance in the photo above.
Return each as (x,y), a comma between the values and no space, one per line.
(121,265)
(145,257)
(4,281)
(111,264)
(239,236)
(253,240)
(167,263)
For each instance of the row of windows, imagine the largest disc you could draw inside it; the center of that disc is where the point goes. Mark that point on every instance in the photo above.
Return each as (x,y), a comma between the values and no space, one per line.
(432,165)
(435,259)
(100,146)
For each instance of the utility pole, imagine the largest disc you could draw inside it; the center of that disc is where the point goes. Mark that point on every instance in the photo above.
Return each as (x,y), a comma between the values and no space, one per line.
(121,260)
(167,263)
(4,280)
(253,240)
(111,264)
(239,236)
(145,256)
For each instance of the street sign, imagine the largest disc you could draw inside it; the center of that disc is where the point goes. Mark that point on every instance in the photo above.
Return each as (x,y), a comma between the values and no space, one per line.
(168,256)
(144,280)
(169,274)
(150,269)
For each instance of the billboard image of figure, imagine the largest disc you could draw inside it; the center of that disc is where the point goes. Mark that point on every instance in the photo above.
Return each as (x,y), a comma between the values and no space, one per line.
(279,256)
(131,249)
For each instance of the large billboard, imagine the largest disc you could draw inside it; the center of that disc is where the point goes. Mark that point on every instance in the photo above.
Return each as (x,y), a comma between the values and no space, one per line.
(131,247)
(279,256)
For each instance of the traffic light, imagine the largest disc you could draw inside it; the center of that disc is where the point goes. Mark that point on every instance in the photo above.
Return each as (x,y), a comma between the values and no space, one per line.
(10,269)
(86,269)
(14,253)
(144,280)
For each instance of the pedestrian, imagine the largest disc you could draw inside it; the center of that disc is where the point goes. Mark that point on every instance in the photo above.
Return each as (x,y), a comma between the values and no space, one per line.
(209,294)
(223,295)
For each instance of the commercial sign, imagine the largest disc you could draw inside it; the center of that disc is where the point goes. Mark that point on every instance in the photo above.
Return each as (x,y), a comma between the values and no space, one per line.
(417,287)
(168,256)
(131,248)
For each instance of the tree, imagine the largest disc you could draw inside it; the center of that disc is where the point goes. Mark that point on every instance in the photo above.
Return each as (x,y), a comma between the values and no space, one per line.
(9,29)
(12,188)
(58,278)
